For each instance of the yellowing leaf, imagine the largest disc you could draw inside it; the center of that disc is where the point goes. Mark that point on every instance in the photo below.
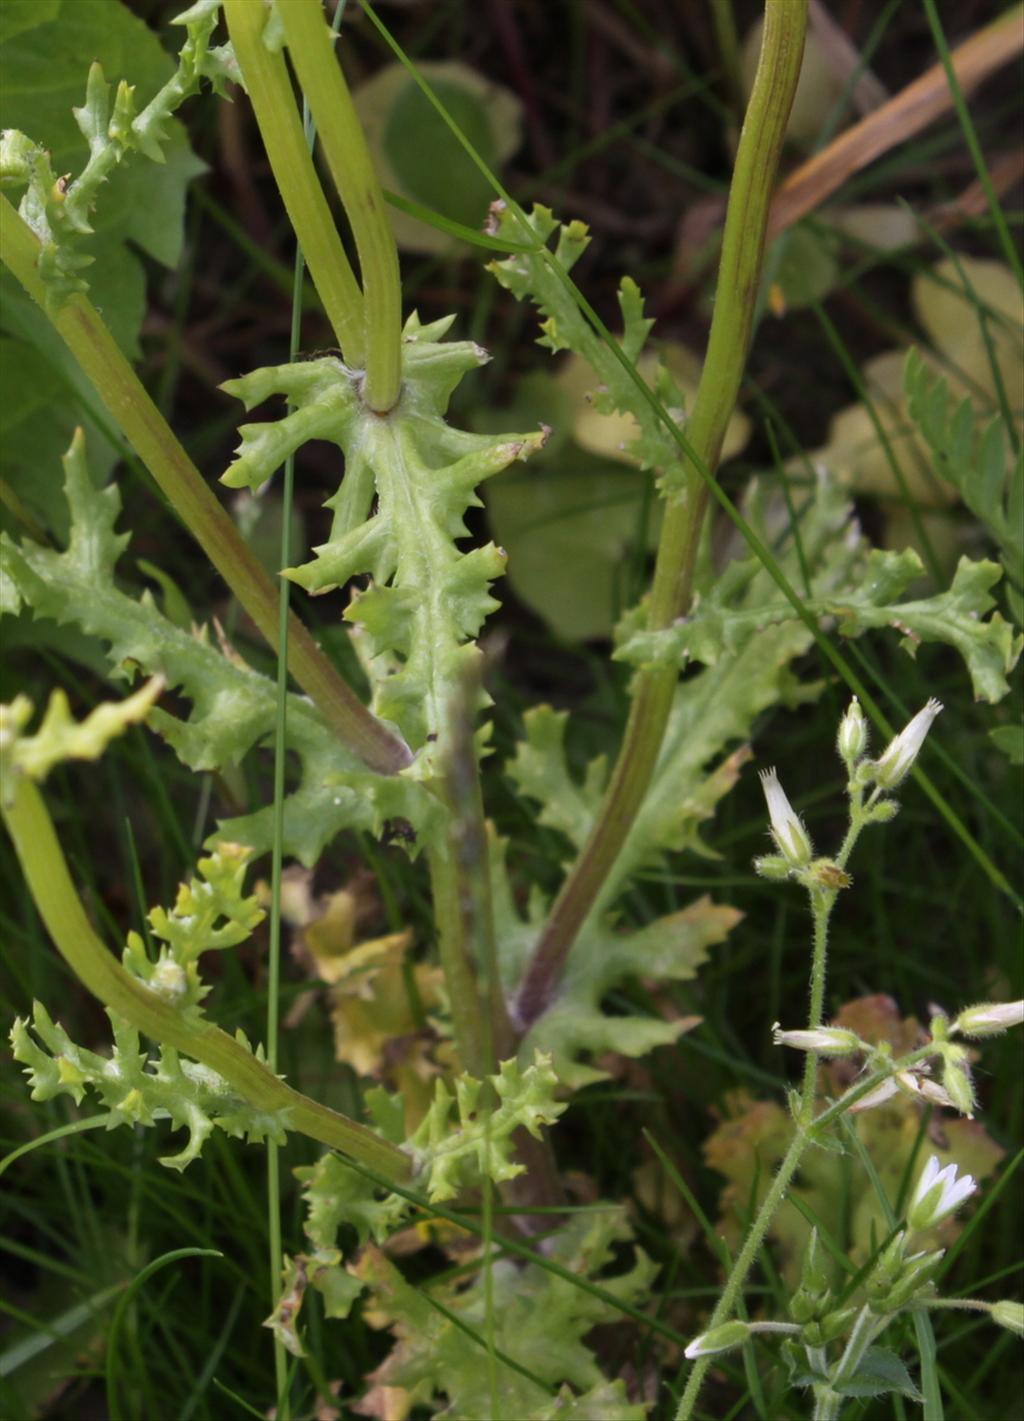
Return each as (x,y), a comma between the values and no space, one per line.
(946,311)
(611,433)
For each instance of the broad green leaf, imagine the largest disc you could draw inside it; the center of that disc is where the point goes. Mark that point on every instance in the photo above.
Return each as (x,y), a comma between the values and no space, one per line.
(45,51)
(16,16)
(880,1371)
(1010,740)
(416,154)
(803,266)
(569,526)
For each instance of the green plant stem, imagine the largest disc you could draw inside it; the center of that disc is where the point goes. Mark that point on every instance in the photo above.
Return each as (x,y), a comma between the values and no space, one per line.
(344,147)
(470,851)
(459,977)
(822,903)
(823,900)
(273,102)
(828,1403)
(744,1262)
(277,855)
(83,331)
(738,281)
(60,908)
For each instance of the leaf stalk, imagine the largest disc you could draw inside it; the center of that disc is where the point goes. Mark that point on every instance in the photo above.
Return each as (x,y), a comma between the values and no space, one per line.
(341,138)
(83,331)
(46,872)
(739,277)
(273,102)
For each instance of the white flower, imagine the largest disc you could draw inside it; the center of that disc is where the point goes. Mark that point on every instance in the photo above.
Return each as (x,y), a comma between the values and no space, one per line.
(881,1093)
(828,1040)
(918,1087)
(853,734)
(937,1194)
(901,753)
(787,830)
(989,1018)
(719,1339)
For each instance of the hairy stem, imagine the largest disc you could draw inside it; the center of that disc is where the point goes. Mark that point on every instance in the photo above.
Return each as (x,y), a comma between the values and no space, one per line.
(60,908)
(83,331)
(738,282)
(744,1262)
(829,1403)
(344,146)
(822,903)
(273,103)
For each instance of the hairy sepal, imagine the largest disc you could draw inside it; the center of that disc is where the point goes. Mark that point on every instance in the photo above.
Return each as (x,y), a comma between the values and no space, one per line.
(398,516)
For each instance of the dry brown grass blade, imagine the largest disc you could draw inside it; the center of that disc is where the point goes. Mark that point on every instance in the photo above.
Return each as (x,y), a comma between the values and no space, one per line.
(914,108)
(1005,171)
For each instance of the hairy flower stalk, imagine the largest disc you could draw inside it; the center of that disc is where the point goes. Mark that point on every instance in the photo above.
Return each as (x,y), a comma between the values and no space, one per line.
(938,1193)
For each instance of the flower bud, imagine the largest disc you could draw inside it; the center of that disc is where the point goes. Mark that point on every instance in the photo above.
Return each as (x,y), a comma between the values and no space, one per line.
(168,980)
(1009,1315)
(852,740)
(882,1092)
(989,1018)
(718,1339)
(772,866)
(834,1324)
(938,1193)
(814,1274)
(788,832)
(958,1085)
(803,1305)
(918,1273)
(887,1269)
(894,765)
(826,1040)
